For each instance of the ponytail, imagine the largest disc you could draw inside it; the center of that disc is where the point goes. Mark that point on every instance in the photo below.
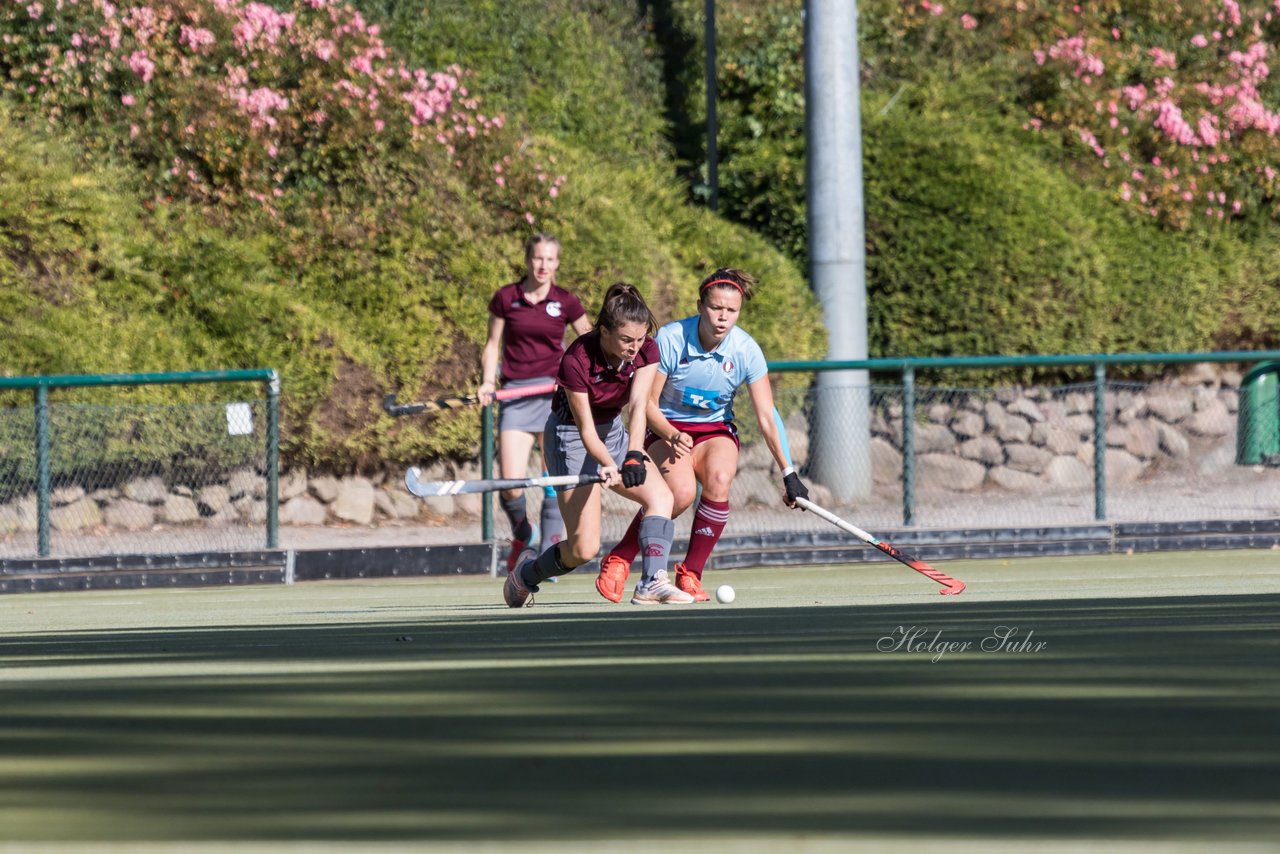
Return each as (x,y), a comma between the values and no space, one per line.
(623,304)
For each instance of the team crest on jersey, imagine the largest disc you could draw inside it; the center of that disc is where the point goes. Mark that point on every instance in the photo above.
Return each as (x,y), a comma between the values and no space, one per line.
(553,308)
(727,366)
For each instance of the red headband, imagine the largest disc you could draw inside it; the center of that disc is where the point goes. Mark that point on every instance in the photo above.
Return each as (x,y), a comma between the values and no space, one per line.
(703,289)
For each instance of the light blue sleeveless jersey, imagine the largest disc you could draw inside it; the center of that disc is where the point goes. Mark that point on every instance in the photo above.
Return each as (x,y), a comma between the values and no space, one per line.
(700,385)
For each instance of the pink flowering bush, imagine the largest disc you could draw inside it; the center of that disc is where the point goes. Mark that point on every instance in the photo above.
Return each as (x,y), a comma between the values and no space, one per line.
(240,103)
(1171,105)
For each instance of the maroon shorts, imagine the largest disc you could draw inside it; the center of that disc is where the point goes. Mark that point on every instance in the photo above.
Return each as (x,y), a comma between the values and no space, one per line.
(700,432)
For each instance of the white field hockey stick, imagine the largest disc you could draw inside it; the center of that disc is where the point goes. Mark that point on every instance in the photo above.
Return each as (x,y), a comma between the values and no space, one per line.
(434,488)
(460,401)
(950,586)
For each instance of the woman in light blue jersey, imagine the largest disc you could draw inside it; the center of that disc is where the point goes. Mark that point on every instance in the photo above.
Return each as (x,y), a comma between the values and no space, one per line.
(704,359)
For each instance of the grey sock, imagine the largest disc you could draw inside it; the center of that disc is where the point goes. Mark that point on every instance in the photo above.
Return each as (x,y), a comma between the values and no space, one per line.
(518,516)
(656,533)
(552,522)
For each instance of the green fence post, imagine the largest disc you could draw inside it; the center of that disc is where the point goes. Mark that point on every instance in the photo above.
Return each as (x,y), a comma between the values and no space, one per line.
(908,445)
(1100,441)
(1258,421)
(486,471)
(273,461)
(42,471)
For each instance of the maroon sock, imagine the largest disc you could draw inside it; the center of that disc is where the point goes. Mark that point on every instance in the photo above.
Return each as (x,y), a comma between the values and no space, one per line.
(629,546)
(708,523)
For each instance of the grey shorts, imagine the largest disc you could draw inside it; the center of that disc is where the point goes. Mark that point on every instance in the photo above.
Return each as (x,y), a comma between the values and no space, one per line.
(526,414)
(565,454)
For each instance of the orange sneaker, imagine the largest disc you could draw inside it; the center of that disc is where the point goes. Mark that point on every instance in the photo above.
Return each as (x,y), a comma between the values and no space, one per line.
(612,581)
(691,584)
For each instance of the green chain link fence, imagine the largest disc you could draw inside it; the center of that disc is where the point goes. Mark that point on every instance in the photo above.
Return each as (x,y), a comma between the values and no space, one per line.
(80,478)
(1202,445)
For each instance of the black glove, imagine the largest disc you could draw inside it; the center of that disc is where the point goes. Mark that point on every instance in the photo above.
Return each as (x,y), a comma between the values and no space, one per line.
(633,469)
(795,489)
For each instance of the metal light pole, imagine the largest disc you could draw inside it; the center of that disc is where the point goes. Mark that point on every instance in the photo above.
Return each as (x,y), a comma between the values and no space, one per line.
(713,180)
(840,455)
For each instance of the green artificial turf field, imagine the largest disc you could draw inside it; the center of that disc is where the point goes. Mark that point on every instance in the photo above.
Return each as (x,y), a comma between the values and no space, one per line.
(1131,700)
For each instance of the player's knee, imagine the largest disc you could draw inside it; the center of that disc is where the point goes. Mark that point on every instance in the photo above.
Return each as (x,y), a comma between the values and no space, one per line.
(582,550)
(682,497)
(717,483)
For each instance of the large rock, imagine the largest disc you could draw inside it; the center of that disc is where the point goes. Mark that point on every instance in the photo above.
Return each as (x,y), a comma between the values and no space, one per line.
(1122,467)
(968,425)
(128,515)
(1061,440)
(78,516)
(984,449)
(1026,408)
(1211,420)
(1013,480)
(10,521)
(354,502)
(446,506)
(1172,441)
(66,495)
(469,504)
(1014,428)
(293,484)
(1068,473)
(886,462)
(178,510)
(1143,440)
(934,438)
(250,509)
(213,499)
(246,482)
(1027,458)
(1077,403)
(325,488)
(382,504)
(405,506)
(23,510)
(303,510)
(1081,424)
(148,490)
(945,471)
(225,517)
(1169,406)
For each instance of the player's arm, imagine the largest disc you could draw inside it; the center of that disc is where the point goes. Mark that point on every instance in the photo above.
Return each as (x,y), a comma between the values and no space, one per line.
(580,408)
(761,392)
(681,443)
(582,325)
(489,360)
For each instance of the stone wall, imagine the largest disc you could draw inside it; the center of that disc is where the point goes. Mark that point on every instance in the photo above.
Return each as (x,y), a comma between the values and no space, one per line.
(1014,441)
(1035,440)
(305,499)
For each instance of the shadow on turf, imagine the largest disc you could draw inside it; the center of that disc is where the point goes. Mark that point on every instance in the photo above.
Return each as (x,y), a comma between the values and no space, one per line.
(1144,718)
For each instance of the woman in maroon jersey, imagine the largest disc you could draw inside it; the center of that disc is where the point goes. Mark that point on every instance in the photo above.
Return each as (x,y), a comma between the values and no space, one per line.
(610,367)
(526,327)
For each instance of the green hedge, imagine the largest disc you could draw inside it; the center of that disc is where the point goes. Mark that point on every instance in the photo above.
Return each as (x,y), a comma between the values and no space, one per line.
(351,294)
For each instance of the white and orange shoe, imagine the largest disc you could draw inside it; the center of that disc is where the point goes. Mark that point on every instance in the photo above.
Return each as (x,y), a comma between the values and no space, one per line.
(660,591)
